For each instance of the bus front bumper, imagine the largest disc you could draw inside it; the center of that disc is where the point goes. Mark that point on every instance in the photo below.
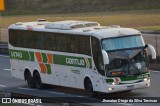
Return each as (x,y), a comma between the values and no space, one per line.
(127,87)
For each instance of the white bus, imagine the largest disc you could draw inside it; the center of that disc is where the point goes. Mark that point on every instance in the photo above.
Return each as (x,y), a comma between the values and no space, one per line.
(79,54)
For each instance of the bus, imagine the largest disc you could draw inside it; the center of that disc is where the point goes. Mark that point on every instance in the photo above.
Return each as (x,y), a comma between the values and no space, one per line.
(79,54)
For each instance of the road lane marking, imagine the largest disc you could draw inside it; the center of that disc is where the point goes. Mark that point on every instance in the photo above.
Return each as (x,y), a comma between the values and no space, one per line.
(155,71)
(26,88)
(7,69)
(3,86)
(4,56)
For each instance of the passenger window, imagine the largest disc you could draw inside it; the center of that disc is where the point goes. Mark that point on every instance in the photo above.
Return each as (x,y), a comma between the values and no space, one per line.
(72,44)
(84,45)
(61,43)
(39,40)
(50,42)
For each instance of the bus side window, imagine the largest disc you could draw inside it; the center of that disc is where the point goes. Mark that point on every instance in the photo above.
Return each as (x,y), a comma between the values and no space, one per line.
(50,42)
(97,55)
(84,45)
(61,42)
(12,37)
(31,39)
(72,44)
(26,39)
(19,39)
(39,40)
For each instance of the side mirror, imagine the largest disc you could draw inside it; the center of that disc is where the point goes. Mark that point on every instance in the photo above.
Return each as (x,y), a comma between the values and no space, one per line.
(105,57)
(153,51)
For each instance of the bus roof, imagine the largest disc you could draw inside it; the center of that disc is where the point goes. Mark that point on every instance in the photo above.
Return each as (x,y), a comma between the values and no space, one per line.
(76,27)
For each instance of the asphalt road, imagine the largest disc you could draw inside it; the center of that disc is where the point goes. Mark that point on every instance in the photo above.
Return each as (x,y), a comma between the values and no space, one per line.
(7,82)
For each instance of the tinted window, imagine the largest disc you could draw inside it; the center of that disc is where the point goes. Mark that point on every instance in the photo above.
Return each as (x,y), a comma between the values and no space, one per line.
(72,43)
(50,41)
(84,45)
(97,55)
(61,42)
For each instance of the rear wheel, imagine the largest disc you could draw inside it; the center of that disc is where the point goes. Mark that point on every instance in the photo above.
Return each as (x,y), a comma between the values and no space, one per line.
(89,88)
(37,80)
(30,80)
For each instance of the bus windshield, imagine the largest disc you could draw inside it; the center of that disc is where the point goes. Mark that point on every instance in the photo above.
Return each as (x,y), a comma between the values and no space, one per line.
(111,44)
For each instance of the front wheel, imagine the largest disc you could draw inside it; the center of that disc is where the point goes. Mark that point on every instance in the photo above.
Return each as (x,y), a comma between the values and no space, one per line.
(89,88)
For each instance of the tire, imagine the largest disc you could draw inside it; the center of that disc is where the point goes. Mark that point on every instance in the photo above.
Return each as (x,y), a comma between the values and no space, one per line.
(30,80)
(89,88)
(37,80)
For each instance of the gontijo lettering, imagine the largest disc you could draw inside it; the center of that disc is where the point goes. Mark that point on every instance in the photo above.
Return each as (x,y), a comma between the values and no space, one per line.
(73,61)
(17,55)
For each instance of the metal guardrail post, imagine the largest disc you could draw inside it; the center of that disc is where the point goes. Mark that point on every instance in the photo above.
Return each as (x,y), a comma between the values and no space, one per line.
(156,45)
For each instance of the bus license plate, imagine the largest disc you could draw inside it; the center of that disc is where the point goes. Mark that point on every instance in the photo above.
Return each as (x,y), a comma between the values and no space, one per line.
(130,87)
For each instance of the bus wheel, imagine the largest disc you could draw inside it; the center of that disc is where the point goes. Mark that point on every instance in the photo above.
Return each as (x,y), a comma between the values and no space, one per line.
(29,79)
(37,80)
(89,87)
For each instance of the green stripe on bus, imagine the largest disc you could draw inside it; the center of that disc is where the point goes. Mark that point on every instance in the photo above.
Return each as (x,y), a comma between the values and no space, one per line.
(48,66)
(130,78)
(58,59)
(20,55)
(31,56)
(109,80)
(71,61)
(44,56)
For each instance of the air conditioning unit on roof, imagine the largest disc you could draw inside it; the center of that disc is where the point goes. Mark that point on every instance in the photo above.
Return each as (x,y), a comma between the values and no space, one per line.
(67,25)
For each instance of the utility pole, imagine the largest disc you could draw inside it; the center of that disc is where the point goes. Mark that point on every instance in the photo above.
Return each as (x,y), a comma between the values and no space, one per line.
(0,26)
(2,8)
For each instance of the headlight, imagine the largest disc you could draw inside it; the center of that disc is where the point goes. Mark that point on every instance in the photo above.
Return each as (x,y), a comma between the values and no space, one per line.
(114,83)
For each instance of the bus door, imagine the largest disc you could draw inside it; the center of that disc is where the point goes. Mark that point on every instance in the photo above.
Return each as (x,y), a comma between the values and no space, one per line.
(97,55)
(16,68)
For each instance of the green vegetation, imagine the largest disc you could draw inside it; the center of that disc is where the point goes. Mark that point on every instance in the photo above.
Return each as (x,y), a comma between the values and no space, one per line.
(153,28)
(139,14)
(23,7)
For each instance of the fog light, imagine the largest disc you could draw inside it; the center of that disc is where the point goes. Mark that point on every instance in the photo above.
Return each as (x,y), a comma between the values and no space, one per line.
(148,85)
(146,79)
(111,89)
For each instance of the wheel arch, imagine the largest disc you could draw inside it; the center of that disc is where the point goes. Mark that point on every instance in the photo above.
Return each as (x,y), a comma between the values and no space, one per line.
(86,78)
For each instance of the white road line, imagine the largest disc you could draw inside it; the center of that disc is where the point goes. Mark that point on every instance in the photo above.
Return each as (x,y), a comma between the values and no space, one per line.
(3,86)
(155,71)
(7,69)
(126,104)
(4,56)
(81,96)
(26,88)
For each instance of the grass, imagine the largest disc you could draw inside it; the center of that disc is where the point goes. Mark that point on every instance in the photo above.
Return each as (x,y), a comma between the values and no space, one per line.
(73,6)
(154,28)
(139,20)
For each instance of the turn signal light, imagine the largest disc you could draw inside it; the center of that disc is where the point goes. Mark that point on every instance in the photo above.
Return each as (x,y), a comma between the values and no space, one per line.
(117,73)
